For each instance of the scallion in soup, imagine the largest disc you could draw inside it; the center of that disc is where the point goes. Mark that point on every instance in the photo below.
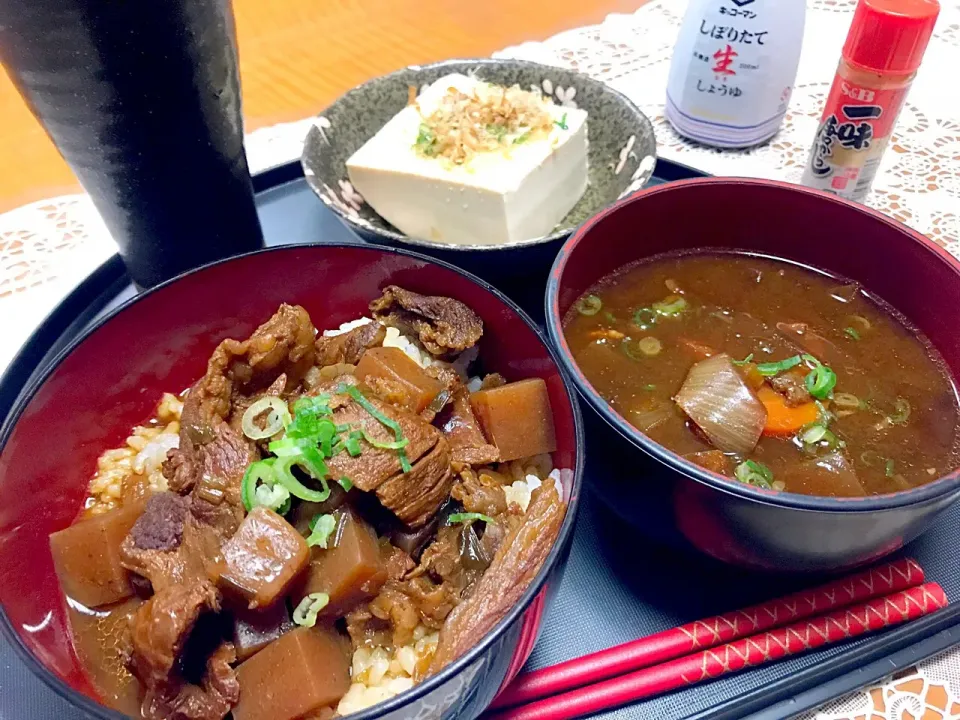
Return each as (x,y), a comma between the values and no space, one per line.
(769,373)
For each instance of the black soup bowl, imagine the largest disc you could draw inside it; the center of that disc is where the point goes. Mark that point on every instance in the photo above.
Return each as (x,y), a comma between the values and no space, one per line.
(111,378)
(682,503)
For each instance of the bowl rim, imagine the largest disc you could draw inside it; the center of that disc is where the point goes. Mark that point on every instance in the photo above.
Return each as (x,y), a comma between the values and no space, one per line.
(29,391)
(398,237)
(554,321)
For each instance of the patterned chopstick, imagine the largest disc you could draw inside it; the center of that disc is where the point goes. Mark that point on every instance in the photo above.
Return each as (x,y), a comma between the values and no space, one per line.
(752,651)
(677,642)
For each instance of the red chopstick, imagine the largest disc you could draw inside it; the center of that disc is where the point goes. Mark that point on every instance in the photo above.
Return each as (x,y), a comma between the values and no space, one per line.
(702,634)
(747,652)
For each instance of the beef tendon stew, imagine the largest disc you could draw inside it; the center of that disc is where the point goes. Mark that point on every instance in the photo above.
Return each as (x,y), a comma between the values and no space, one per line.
(769,373)
(317,524)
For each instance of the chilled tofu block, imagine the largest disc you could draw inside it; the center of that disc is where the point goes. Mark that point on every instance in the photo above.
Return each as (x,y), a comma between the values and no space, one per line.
(86,556)
(299,675)
(517,418)
(437,173)
(263,558)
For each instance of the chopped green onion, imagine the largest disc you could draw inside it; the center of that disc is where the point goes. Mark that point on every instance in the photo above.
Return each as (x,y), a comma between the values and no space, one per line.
(747,359)
(278,418)
(753,473)
(861,321)
(813,434)
(902,413)
(457,518)
(820,382)
(305,614)
(888,468)
(811,360)
(589,305)
(321,527)
(629,349)
(649,345)
(346,483)
(272,496)
(824,416)
(258,472)
(847,401)
(499,132)
(644,318)
(311,419)
(770,369)
(522,138)
(352,443)
(289,446)
(282,472)
(671,306)
(651,386)
(852,333)
(426,141)
(362,401)
(562,123)
(390,445)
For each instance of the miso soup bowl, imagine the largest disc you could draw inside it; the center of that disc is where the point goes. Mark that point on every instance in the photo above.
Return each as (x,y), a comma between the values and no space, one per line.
(111,378)
(677,501)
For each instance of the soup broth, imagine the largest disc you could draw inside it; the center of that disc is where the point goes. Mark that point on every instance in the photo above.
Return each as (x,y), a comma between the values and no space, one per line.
(768,372)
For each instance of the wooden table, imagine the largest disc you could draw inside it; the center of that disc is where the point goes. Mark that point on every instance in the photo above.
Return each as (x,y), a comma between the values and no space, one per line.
(296,56)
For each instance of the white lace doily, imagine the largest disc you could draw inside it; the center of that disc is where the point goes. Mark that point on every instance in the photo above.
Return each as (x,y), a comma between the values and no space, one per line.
(46,248)
(918,182)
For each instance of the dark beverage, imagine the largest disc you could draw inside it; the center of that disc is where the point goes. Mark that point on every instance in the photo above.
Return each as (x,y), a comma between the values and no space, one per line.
(142,98)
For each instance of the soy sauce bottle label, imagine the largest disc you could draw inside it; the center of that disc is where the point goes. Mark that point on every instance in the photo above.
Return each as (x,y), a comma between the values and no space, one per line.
(853,134)
(733,69)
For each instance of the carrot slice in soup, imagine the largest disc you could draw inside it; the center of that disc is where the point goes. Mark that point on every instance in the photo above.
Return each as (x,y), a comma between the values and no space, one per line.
(783,419)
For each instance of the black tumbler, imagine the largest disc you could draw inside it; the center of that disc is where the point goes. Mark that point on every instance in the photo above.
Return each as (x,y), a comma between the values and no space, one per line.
(142,98)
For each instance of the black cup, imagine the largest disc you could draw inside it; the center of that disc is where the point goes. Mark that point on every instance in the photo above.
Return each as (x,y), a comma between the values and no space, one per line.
(142,98)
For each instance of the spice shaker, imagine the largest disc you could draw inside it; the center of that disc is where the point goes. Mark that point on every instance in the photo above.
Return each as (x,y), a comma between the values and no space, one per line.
(880,57)
(733,70)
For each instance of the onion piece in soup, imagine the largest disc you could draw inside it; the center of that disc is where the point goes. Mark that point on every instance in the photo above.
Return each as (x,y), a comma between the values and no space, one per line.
(719,401)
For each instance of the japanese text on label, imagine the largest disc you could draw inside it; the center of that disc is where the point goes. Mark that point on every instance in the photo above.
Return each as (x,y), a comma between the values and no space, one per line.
(851,134)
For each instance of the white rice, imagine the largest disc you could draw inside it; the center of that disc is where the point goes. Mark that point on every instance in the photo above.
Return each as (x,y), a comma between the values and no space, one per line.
(347,327)
(412,348)
(378,674)
(140,457)
(520,491)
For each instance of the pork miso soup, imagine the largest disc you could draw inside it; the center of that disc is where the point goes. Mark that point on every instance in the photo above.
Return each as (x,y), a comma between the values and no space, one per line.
(768,373)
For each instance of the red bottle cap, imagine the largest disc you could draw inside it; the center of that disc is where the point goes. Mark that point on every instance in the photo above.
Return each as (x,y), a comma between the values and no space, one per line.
(890,36)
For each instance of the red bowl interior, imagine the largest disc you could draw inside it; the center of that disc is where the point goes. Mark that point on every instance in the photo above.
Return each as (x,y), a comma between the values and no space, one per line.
(893,262)
(113,379)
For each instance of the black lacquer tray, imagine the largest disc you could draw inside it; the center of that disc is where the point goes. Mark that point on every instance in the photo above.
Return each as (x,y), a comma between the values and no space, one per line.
(619,585)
